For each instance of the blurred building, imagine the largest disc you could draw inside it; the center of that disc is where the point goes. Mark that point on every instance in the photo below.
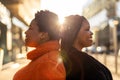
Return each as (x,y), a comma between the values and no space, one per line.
(15,16)
(103,15)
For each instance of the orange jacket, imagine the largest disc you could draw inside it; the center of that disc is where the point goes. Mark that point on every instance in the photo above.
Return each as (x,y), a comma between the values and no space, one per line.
(44,65)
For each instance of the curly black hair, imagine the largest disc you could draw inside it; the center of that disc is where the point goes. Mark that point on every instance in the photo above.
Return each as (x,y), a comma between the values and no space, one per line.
(48,22)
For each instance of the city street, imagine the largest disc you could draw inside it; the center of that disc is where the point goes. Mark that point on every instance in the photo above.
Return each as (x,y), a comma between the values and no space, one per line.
(9,69)
(109,61)
(102,17)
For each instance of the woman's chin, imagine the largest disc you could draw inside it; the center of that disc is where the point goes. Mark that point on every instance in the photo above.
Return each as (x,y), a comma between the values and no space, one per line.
(30,45)
(88,45)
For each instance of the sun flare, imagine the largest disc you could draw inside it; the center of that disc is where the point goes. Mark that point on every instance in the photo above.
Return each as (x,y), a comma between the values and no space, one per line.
(63,7)
(61,20)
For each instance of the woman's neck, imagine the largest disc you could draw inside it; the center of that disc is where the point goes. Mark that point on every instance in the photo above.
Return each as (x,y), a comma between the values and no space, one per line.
(79,48)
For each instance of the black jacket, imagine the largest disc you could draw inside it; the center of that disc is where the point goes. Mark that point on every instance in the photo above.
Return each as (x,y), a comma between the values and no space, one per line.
(81,66)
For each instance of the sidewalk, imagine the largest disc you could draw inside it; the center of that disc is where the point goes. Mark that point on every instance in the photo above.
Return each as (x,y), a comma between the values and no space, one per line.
(116,76)
(9,70)
(110,64)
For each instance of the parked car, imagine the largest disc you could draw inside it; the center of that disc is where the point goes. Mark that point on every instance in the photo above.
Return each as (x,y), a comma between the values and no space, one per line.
(98,49)
(101,49)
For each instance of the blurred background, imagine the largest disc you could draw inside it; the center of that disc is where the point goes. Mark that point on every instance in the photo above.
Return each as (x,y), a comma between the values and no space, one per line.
(15,16)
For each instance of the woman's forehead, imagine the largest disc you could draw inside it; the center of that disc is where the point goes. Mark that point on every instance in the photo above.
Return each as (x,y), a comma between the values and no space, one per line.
(85,22)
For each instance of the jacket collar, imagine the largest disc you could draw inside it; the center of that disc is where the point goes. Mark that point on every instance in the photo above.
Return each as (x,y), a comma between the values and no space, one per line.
(42,49)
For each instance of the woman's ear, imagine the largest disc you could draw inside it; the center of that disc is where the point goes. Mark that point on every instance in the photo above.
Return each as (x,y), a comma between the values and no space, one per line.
(44,36)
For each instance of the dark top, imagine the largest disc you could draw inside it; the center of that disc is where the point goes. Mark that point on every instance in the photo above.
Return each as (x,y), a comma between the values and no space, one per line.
(81,66)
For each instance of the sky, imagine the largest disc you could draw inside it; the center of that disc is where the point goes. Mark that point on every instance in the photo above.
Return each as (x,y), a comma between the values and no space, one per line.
(64,7)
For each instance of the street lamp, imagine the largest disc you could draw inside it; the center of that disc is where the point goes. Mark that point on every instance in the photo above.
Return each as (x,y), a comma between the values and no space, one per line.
(113,24)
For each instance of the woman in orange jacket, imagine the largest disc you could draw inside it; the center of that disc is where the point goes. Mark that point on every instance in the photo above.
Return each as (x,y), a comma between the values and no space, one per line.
(43,34)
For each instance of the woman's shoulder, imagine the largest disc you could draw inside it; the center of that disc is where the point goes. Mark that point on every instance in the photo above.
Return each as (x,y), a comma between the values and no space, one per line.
(51,56)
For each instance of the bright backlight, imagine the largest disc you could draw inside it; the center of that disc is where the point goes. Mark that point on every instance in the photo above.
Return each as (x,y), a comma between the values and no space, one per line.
(63,7)
(61,20)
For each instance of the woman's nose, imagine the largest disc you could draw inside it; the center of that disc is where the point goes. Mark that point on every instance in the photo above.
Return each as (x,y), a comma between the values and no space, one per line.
(91,32)
(26,32)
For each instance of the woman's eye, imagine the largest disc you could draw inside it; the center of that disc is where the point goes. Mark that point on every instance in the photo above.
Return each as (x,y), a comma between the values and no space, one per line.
(30,28)
(87,29)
